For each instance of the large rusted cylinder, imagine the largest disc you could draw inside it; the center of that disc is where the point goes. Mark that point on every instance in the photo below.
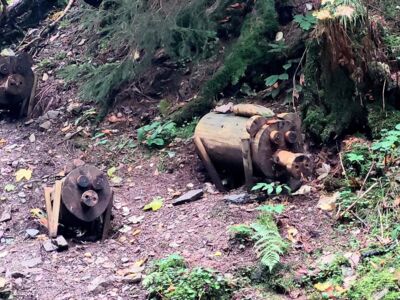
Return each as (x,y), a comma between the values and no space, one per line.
(222,136)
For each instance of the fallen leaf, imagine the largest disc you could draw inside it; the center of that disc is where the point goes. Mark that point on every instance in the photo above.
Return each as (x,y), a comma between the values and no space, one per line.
(3,282)
(116,179)
(139,263)
(23,173)
(154,205)
(9,187)
(136,232)
(396,202)
(37,213)
(291,234)
(218,253)
(322,287)
(125,229)
(328,202)
(111,171)
(323,171)
(135,219)
(304,189)
(45,77)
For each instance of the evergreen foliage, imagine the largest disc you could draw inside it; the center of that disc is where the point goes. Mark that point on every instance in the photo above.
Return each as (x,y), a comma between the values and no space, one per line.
(251,49)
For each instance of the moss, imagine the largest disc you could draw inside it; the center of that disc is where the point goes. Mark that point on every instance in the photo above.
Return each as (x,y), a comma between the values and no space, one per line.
(330,108)
(375,282)
(379,120)
(251,49)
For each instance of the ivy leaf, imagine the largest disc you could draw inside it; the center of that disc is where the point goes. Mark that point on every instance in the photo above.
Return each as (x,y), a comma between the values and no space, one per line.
(154,205)
(271,80)
(287,66)
(278,189)
(283,76)
(23,173)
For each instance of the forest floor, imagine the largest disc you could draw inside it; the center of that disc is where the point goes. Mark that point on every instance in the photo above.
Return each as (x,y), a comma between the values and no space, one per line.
(196,230)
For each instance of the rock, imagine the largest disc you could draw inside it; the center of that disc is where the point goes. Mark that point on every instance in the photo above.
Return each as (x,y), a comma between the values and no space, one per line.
(17,274)
(61,243)
(21,195)
(45,125)
(209,188)
(6,215)
(132,278)
(189,197)
(237,198)
(98,284)
(52,114)
(31,263)
(49,246)
(32,233)
(32,138)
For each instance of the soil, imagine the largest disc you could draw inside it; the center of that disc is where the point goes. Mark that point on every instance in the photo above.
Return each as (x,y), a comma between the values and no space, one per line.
(95,270)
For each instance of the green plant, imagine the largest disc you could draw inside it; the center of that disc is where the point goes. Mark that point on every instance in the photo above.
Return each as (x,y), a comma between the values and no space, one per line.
(156,134)
(271,188)
(274,209)
(170,278)
(269,244)
(306,22)
(389,141)
(241,231)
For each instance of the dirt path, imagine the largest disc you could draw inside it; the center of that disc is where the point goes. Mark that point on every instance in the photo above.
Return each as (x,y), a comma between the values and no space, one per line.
(196,230)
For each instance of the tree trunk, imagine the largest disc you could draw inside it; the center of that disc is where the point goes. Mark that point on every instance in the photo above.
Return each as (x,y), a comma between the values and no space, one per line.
(20,16)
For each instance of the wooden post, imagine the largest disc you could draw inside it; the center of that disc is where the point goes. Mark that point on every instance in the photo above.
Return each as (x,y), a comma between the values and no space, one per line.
(247,162)
(208,163)
(53,209)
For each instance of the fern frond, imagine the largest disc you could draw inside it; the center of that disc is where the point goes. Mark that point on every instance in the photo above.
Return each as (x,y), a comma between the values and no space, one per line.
(269,243)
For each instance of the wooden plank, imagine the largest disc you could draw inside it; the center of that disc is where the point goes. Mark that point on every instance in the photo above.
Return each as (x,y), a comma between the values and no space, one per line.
(56,209)
(208,163)
(49,210)
(247,162)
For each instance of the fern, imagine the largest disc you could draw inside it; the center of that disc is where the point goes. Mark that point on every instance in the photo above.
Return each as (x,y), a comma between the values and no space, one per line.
(269,244)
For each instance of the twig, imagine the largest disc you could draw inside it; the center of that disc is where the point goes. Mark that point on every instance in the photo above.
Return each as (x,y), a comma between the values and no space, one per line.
(380,221)
(355,201)
(49,27)
(366,177)
(341,163)
(294,78)
(383,95)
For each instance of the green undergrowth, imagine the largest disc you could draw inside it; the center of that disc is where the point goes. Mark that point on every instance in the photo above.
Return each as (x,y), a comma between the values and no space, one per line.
(268,243)
(374,277)
(159,134)
(171,278)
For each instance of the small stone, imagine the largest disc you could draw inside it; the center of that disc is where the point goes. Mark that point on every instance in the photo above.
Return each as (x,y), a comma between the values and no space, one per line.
(15,163)
(31,263)
(6,215)
(237,198)
(133,278)
(32,233)
(190,185)
(61,243)
(45,125)
(32,138)
(97,284)
(52,114)
(21,195)
(49,246)
(189,197)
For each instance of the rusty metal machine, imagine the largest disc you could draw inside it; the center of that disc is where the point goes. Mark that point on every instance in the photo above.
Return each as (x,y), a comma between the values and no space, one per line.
(83,199)
(269,146)
(17,84)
